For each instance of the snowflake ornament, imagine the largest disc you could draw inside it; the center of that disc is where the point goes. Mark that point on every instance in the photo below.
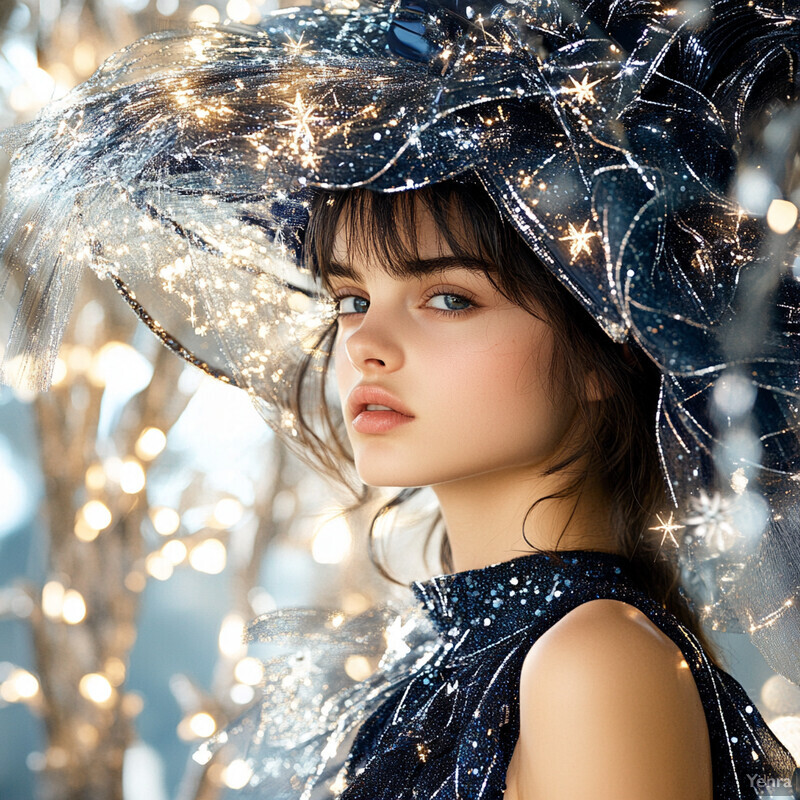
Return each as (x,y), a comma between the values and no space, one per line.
(712,522)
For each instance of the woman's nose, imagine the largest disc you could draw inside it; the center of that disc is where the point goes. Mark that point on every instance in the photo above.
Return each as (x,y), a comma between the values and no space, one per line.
(374,344)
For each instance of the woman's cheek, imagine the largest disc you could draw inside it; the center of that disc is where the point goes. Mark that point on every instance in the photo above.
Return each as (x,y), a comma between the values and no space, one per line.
(343,370)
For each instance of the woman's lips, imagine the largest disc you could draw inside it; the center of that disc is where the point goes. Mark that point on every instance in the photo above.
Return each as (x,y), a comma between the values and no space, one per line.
(379,421)
(373,409)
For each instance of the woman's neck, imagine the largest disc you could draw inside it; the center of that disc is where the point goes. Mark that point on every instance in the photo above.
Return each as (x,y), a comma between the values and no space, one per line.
(484,517)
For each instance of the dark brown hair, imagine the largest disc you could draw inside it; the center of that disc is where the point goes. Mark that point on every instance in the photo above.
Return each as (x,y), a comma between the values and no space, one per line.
(620,440)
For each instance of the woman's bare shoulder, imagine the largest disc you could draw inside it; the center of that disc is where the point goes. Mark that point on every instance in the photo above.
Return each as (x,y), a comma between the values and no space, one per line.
(609,707)
(597,620)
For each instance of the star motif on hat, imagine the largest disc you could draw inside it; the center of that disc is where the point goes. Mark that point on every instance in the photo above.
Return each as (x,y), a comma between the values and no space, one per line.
(297,46)
(579,240)
(302,115)
(667,528)
(583,89)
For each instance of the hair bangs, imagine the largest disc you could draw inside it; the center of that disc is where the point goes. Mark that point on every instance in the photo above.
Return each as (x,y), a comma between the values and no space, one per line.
(382,228)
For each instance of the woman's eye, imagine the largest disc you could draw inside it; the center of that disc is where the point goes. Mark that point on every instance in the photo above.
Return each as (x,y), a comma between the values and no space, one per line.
(352,304)
(450,302)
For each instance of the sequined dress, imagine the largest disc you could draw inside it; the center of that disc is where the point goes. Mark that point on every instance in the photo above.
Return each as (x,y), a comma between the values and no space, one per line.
(449,732)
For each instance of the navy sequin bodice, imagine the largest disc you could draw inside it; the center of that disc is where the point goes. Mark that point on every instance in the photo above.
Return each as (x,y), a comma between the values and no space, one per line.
(449,731)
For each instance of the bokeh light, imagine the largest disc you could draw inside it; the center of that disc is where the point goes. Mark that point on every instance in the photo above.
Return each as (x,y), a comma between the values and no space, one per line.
(174,551)
(231,636)
(210,556)
(332,541)
(249,671)
(132,477)
(237,774)
(782,216)
(205,14)
(358,668)
(165,520)
(74,607)
(19,686)
(53,599)
(228,512)
(202,725)
(158,567)
(150,443)
(97,515)
(96,687)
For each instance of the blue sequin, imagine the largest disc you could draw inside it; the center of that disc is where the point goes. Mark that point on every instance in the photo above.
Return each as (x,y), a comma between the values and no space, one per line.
(463,712)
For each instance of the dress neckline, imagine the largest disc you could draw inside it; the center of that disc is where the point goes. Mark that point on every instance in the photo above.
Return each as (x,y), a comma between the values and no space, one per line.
(487,604)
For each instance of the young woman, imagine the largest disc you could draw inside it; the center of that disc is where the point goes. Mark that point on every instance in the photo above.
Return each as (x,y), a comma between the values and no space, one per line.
(506,231)
(533,429)
(463,365)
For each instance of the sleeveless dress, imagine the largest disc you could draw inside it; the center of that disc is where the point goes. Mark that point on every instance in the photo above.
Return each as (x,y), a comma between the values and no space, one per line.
(449,731)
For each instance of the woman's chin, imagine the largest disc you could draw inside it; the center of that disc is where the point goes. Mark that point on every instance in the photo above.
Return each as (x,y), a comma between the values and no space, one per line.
(390,483)
(383,477)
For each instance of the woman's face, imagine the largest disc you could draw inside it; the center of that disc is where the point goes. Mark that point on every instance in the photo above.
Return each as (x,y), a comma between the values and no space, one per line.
(466,368)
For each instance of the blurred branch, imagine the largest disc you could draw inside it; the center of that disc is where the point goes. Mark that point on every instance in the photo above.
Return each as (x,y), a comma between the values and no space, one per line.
(82,663)
(201,782)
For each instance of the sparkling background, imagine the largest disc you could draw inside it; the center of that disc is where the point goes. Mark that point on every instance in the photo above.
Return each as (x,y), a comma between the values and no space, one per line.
(211,521)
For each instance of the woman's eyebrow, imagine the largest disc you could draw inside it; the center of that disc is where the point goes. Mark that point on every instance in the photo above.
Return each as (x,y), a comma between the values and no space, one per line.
(336,270)
(426,266)
(416,267)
